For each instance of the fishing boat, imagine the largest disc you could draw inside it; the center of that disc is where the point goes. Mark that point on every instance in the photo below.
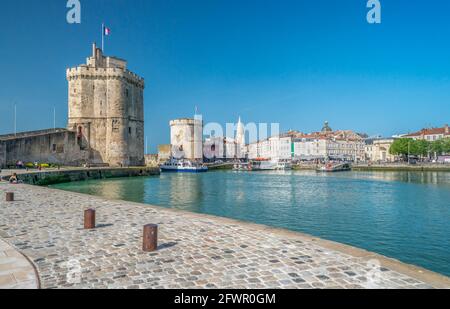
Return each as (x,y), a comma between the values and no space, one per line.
(183,166)
(330,167)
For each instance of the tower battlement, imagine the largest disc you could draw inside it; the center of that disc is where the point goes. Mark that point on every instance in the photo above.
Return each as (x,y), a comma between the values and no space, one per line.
(105,73)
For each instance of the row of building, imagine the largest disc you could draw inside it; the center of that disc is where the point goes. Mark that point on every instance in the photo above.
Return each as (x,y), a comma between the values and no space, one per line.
(327,144)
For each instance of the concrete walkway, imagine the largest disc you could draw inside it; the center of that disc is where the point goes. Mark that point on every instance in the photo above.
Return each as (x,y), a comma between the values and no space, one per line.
(195,250)
(16,272)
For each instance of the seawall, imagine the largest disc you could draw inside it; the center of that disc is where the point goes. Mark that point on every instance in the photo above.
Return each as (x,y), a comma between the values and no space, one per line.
(50,177)
(403,167)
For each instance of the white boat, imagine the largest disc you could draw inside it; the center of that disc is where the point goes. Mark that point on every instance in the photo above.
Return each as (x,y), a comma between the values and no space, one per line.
(242,166)
(263,165)
(183,166)
(284,166)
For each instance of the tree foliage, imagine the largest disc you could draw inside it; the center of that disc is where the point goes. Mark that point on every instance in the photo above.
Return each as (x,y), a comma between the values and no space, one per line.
(405,146)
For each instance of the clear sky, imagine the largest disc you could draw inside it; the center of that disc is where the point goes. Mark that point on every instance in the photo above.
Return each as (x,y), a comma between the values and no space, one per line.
(297,62)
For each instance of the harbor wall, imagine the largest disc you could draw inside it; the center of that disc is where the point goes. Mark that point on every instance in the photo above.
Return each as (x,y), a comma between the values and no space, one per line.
(46,178)
(404,167)
(57,146)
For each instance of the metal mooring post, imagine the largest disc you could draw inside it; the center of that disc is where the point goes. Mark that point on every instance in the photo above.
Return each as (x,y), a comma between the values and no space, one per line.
(9,196)
(150,242)
(89,219)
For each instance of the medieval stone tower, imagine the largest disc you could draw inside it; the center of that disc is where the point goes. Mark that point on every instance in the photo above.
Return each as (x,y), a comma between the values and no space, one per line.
(106,109)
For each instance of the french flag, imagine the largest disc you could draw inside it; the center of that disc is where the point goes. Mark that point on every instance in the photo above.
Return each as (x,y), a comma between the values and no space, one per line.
(106,31)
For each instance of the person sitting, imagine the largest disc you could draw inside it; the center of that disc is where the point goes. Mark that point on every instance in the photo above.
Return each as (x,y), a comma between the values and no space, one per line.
(13,179)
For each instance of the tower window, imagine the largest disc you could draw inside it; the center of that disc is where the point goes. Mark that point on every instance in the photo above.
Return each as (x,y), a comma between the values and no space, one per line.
(129,130)
(126,92)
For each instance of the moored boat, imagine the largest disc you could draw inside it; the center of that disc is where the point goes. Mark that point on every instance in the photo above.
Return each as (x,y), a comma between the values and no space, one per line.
(284,165)
(262,165)
(330,167)
(183,166)
(242,166)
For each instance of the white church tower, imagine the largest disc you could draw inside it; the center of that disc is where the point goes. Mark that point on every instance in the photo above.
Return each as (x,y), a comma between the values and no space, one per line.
(240,139)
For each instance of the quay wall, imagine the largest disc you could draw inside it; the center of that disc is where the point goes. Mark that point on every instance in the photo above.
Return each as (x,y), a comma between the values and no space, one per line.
(46,178)
(404,167)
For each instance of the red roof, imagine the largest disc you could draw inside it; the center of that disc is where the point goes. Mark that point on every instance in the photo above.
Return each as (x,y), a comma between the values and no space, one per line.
(431,131)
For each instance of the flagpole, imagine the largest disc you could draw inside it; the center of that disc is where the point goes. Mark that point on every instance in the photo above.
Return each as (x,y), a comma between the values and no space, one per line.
(15,119)
(103,37)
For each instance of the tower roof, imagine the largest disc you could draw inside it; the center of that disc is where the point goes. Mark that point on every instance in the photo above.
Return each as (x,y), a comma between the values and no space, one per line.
(326,128)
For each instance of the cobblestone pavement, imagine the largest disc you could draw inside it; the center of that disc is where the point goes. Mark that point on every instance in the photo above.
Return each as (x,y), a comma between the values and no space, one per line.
(196,251)
(16,272)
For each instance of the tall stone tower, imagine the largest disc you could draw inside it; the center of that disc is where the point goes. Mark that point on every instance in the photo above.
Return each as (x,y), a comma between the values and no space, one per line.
(106,109)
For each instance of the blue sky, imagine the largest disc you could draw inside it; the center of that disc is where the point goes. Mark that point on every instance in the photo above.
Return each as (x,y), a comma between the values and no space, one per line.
(295,62)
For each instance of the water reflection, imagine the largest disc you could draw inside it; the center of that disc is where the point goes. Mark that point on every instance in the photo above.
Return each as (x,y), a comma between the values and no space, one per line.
(435,178)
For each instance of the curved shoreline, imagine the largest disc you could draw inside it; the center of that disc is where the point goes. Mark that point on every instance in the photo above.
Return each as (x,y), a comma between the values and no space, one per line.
(130,216)
(17,271)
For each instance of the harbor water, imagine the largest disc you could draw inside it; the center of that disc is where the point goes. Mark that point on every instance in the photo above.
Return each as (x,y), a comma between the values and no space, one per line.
(403,215)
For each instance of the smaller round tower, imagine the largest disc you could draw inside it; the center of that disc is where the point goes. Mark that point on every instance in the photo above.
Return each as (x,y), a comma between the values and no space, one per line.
(186,139)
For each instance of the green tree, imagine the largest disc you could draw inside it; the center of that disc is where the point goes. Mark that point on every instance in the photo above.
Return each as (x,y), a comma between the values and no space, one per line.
(405,146)
(437,147)
(400,147)
(420,148)
(446,145)
(441,146)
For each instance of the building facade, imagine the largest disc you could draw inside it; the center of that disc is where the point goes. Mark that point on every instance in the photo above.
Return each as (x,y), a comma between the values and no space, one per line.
(324,145)
(431,134)
(106,110)
(377,150)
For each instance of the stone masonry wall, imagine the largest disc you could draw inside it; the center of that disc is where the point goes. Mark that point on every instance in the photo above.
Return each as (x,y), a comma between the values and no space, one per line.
(2,154)
(58,148)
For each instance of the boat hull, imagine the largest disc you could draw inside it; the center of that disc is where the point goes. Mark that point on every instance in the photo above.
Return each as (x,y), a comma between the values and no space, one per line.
(183,170)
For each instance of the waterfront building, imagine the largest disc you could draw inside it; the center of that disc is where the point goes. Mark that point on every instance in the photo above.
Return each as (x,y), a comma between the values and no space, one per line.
(105,120)
(309,148)
(223,148)
(275,148)
(253,150)
(430,134)
(164,153)
(377,150)
(328,144)
(226,148)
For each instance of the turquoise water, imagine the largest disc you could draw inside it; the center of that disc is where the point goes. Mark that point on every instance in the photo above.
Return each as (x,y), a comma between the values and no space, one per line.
(404,215)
